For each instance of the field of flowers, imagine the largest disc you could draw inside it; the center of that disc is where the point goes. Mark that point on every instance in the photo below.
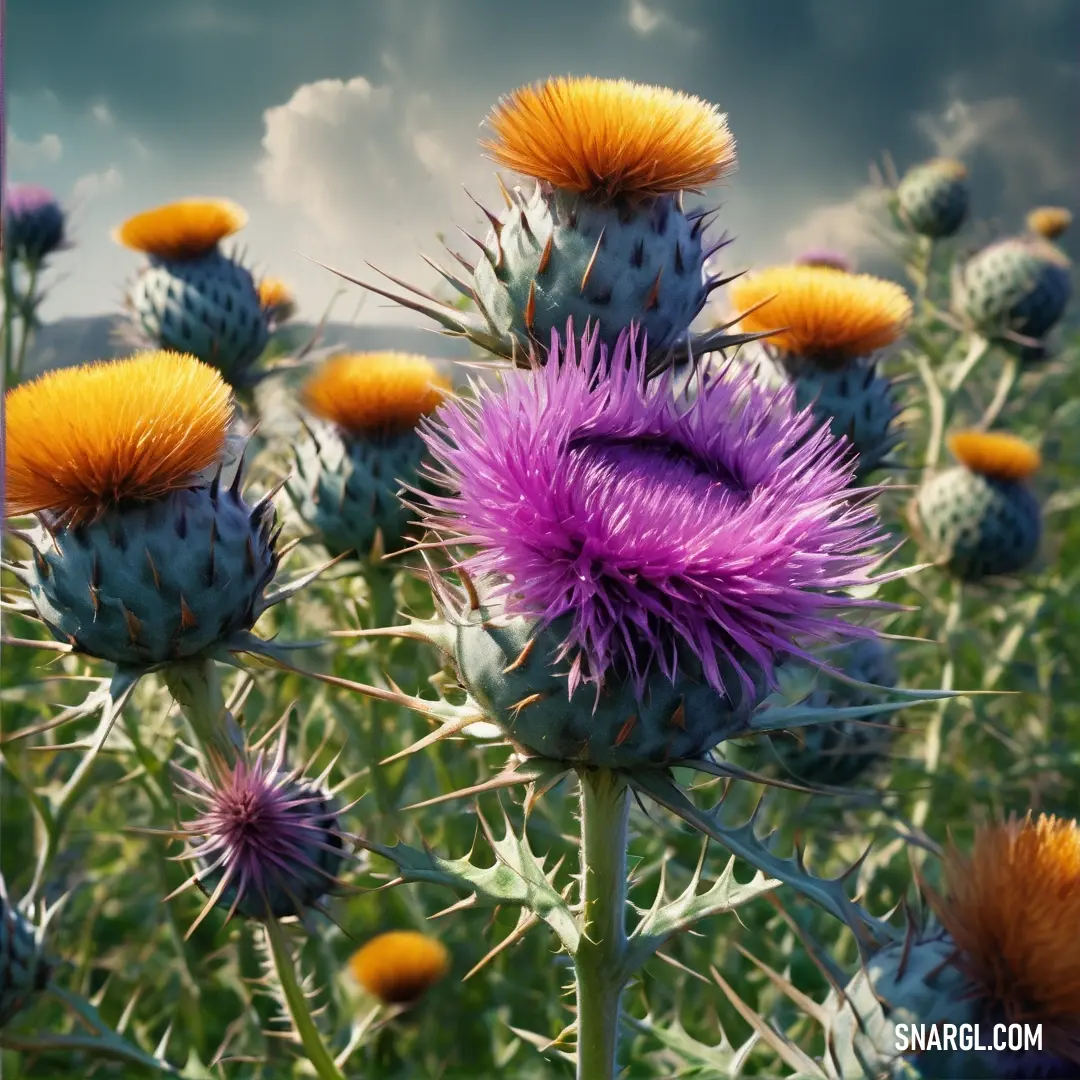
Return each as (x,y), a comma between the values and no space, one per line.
(686,686)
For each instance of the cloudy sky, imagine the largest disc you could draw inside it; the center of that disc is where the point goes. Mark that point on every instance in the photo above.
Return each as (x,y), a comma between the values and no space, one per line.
(348,128)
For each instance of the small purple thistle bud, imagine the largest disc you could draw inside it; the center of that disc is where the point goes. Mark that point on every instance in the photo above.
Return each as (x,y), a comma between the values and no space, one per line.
(33,223)
(834,260)
(266,842)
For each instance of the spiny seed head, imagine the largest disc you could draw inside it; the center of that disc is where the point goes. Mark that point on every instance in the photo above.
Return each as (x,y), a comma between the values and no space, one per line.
(375,392)
(1011,907)
(652,522)
(611,138)
(1049,222)
(82,439)
(400,966)
(831,316)
(276,298)
(266,840)
(996,454)
(182,230)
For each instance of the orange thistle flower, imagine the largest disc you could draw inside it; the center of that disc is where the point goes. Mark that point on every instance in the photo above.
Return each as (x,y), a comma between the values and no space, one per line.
(1049,222)
(611,138)
(1010,908)
(400,966)
(85,438)
(996,454)
(182,230)
(276,296)
(828,315)
(378,391)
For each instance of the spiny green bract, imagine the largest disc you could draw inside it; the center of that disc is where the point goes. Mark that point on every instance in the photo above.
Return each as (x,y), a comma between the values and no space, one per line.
(155,581)
(933,199)
(907,982)
(1020,284)
(346,487)
(512,671)
(977,525)
(24,972)
(856,401)
(208,306)
(835,754)
(556,256)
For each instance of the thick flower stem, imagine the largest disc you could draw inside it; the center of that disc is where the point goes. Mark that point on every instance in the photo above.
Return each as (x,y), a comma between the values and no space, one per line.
(319,1056)
(196,687)
(600,960)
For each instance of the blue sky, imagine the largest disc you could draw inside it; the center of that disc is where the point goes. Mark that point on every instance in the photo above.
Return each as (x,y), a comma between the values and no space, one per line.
(347,128)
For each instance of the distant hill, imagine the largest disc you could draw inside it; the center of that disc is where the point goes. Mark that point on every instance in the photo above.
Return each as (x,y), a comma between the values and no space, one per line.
(97,337)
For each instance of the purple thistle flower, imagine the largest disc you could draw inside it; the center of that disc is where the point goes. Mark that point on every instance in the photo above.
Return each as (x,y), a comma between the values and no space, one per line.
(836,260)
(266,841)
(33,222)
(726,525)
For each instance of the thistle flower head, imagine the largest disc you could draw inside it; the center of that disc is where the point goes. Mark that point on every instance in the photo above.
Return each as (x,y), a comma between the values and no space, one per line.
(400,966)
(33,222)
(375,392)
(1049,222)
(995,454)
(611,138)
(652,523)
(834,260)
(276,298)
(182,230)
(266,840)
(1009,908)
(82,439)
(829,316)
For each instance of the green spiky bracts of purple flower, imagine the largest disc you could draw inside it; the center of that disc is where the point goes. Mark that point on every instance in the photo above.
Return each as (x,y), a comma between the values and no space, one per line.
(33,223)
(1014,292)
(24,971)
(154,582)
(208,306)
(266,842)
(932,198)
(665,552)
(840,753)
(346,488)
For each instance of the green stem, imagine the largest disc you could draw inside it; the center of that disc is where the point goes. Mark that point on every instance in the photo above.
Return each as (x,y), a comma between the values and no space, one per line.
(935,729)
(382,601)
(196,687)
(319,1056)
(600,960)
(1007,380)
(25,316)
(941,402)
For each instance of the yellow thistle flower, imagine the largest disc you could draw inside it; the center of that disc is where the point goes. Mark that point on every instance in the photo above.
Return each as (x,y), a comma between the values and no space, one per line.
(995,454)
(611,138)
(276,296)
(182,230)
(378,391)
(828,315)
(1049,222)
(400,966)
(1011,908)
(82,439)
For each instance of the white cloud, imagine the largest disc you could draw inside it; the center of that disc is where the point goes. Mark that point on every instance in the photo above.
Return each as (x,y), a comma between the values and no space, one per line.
(102,114)
(847,226)
(32,155)
(647,19)
(95,184)
(1000,130)
(365,175)
(138,147)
